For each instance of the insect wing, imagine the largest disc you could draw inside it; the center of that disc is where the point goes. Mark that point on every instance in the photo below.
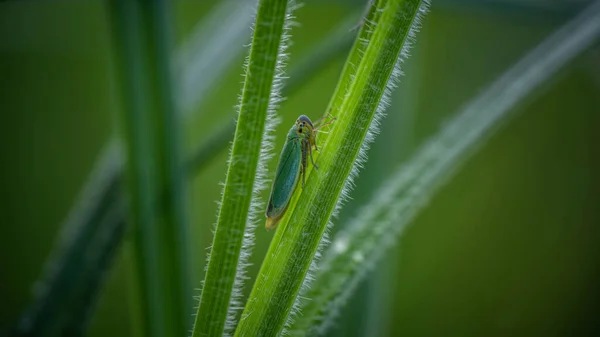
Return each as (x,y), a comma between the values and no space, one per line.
(286,178)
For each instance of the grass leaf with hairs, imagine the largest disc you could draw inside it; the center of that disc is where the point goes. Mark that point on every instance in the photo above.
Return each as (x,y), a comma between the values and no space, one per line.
(88,223)
(364,98)
(245,179)
(379,223)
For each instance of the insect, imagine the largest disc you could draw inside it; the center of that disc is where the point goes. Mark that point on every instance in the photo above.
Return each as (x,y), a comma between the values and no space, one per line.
(292,166)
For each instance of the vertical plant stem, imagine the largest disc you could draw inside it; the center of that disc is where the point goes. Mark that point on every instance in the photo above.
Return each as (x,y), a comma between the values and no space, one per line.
(210,50)
(87,225)
(367,26)
(151,132)
(70,267)
(398,201)
(394,145)
(299,235)
(321,56)
(99,258)
(245,175)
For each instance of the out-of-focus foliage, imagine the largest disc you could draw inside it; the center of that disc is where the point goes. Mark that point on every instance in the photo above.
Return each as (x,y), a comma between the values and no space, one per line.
(509,247)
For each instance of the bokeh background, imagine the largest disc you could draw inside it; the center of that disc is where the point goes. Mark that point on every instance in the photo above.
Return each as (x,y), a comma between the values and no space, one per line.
(509,247)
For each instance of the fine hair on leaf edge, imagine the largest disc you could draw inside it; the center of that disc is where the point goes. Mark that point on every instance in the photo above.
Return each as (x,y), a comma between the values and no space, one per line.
(362,154)
(260,181)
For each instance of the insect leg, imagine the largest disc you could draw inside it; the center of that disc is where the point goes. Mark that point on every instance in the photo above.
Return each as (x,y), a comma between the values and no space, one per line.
(325,124)
(318,122)
(311,156)
(304,163)
(302,173)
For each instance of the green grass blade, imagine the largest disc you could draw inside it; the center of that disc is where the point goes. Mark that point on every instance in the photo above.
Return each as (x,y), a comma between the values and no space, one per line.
(156,172)
(82,232)
(367,27)
(210,51)
(70,267)
(299,235)
(395,144)
(99,260)
(239,210)
(321,56)
(378,224)
(84,229)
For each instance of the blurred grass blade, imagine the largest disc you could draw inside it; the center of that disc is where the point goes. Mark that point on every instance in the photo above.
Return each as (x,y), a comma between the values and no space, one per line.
(151,129)
(333,46)
(337,42)
(99,259)
(211,49)
(83,230)
(394,145)
(300,232)
(533,10)
(251,147)
(68,267)
(378,224)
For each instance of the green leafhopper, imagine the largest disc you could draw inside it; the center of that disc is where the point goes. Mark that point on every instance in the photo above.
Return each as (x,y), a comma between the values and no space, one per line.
(292,165)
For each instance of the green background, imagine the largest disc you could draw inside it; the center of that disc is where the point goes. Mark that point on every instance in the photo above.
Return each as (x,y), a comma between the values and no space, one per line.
(509,247)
